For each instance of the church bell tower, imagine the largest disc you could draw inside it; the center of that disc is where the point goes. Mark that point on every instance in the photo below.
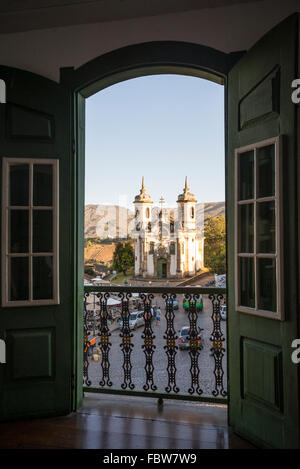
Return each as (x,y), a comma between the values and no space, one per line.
(186,232)
(143,214)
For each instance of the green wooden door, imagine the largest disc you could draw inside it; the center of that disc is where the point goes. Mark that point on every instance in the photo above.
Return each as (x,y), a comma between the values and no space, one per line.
(262,240)
(161,268)
(36,315)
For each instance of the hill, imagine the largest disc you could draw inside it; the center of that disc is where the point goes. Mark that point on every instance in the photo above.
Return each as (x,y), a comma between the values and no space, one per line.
(109,221)
(211,209)
(99,252)
(106,221)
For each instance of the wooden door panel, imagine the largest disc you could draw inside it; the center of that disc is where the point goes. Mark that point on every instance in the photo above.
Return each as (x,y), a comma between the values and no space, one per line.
(37,377)
(262,378)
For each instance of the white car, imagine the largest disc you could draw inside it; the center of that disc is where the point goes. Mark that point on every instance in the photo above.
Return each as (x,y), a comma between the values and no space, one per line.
(136,319)
(223,312)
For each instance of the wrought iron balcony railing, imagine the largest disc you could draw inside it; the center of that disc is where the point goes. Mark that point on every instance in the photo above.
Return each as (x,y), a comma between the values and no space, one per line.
(172,357)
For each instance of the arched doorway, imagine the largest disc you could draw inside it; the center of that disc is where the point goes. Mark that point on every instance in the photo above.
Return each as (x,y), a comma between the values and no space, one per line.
(253,409)
(167,57)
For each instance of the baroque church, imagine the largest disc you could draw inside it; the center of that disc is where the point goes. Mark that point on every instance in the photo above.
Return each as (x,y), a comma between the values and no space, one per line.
(167,243)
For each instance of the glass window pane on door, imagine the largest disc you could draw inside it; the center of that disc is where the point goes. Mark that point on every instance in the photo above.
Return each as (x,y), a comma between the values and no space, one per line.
(42,267)
(19,184)
(42,231)
(42,185)
(266,171)
(19,231)
(246,228)
(267,284)
(30,207)
(258,224)
(266,231)
(19,278)
(246,176)
(247,288)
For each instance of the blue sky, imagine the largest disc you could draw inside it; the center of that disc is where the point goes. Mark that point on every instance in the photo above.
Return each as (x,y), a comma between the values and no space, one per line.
(162,127)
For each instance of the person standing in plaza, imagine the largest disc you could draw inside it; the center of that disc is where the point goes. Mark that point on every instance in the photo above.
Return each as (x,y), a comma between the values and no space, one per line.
(157,316)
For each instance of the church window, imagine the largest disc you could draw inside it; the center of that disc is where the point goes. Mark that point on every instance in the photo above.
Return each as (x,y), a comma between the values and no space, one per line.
(182,248)
(172,248)
(192,212)
(147,212)
(151,250)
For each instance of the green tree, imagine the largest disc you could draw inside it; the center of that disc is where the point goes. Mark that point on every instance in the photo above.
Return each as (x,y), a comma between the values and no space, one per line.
(215,244)
(123,257)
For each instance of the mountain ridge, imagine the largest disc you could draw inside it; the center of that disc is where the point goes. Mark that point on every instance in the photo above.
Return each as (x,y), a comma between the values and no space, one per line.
(101,218)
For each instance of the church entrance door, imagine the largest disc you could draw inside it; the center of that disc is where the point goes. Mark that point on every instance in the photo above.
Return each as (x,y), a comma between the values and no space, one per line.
(161,268)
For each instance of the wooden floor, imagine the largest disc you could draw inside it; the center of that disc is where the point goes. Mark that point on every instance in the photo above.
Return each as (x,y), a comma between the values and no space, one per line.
(112,422)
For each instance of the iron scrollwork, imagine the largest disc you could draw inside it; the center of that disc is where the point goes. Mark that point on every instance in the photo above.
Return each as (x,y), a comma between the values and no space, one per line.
(126,343)
(104,342)
(148,345)
(86,343)
(194,351)
(96,330)
(217,339)
(170,347)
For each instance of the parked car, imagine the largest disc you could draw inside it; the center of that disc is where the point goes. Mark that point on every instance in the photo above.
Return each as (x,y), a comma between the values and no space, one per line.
(136,319)
(175,303)
(223,312)
(184,337)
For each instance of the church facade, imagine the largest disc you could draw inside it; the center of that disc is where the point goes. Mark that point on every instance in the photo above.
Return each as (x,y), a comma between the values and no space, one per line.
(167,242)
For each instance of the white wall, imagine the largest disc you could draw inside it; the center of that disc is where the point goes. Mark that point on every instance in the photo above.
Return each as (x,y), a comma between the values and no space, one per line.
(173,265)
(136,257)
(150,264)
(228,29)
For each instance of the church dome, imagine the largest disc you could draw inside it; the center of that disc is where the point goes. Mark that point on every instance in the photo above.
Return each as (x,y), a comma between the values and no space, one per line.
(143,196)
(186,196)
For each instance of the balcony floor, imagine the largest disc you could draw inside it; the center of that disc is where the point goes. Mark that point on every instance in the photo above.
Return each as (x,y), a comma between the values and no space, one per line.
(111,422)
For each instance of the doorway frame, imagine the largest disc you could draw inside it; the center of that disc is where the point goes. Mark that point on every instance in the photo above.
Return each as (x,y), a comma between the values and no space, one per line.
(134,61)
(161,262)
